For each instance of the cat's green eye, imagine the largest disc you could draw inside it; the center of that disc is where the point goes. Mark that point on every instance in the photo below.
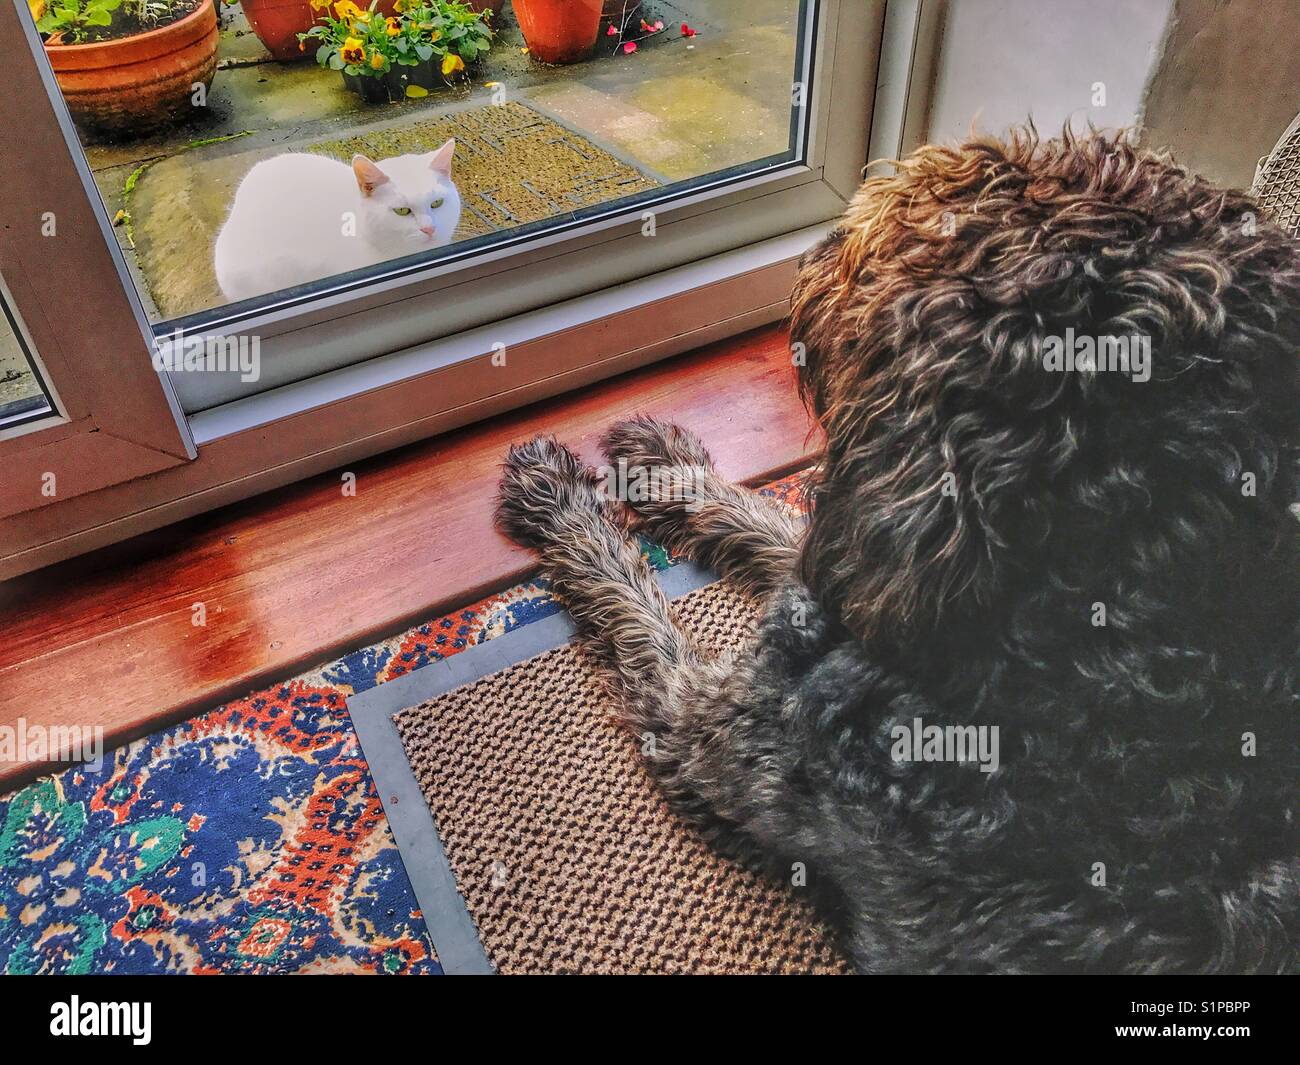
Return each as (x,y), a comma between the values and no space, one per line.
(401,212)
(437,203)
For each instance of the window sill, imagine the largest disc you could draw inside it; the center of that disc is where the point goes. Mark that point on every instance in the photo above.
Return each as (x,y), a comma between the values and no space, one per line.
(268,441)
(296,576)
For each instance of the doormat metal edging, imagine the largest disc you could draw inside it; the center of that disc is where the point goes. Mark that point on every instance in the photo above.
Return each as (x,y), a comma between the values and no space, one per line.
(455,939)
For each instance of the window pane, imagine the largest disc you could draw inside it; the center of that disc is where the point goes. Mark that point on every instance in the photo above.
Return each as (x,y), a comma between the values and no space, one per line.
(267,162)
(23,397)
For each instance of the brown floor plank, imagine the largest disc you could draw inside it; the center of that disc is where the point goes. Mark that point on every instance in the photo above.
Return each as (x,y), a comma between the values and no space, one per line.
(294,577)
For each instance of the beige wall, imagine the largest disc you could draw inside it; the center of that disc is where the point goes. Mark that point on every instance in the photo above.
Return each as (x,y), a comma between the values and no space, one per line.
(1227,85)
(1001,61)
(1217,81)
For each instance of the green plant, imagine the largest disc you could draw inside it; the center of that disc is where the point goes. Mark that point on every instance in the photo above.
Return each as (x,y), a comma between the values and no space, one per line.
(149,11)
(68,21)
(358,41)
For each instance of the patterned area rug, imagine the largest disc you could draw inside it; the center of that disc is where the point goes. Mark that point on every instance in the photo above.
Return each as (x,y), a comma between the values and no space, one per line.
(249,839)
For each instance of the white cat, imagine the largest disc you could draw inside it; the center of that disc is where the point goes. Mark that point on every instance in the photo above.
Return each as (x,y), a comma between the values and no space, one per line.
(299,218)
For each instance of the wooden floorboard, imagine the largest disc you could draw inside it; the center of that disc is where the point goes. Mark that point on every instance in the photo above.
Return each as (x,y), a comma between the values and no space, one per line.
(292,578)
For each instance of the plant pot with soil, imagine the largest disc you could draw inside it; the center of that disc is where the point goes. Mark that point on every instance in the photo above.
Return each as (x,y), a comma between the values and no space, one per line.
(559,31)
(129,67)
(425,44)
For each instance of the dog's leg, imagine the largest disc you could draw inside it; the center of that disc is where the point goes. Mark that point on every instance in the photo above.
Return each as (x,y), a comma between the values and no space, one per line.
(551,502)
(689,509)
(676,701)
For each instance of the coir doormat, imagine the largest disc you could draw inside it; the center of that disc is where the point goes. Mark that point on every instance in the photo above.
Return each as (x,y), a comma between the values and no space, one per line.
(566,857)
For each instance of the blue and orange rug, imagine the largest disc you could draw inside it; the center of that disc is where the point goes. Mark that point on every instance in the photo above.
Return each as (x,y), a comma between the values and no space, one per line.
(249,839)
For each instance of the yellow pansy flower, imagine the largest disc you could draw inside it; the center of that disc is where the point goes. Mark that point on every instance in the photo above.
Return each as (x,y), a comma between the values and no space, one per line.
(393,26)
(451,63)
(37,8)
(377,61)
(353,51)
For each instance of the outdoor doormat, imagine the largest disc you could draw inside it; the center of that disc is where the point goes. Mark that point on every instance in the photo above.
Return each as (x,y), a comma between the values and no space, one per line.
(513,165)
(553,852)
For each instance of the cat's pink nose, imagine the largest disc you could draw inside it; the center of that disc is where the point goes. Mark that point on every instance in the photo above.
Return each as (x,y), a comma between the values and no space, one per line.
(427,230)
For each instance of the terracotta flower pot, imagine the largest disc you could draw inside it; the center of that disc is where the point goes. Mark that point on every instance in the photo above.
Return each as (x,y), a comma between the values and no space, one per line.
(277,24)
(136,84)
(559,31)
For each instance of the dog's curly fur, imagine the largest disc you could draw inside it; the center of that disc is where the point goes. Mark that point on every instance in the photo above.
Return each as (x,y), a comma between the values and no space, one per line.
(923,319)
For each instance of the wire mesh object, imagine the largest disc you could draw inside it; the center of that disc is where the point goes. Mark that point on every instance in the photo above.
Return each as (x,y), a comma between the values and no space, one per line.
(1277,181)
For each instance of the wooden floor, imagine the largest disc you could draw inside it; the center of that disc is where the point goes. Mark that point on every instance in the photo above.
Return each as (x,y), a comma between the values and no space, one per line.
(290,579)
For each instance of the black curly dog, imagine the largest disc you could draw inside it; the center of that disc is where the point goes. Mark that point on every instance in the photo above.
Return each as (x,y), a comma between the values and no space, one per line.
(1095,556)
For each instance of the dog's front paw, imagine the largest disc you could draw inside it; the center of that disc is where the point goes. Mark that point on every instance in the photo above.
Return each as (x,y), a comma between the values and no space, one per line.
(664,466)
(647,442)
(545,487)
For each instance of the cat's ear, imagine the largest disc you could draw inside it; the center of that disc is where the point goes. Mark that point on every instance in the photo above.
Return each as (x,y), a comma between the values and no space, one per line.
(369,176)
(441,159)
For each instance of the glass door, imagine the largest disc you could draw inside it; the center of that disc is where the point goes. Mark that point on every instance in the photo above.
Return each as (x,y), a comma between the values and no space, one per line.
(271,250)
(366,162)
